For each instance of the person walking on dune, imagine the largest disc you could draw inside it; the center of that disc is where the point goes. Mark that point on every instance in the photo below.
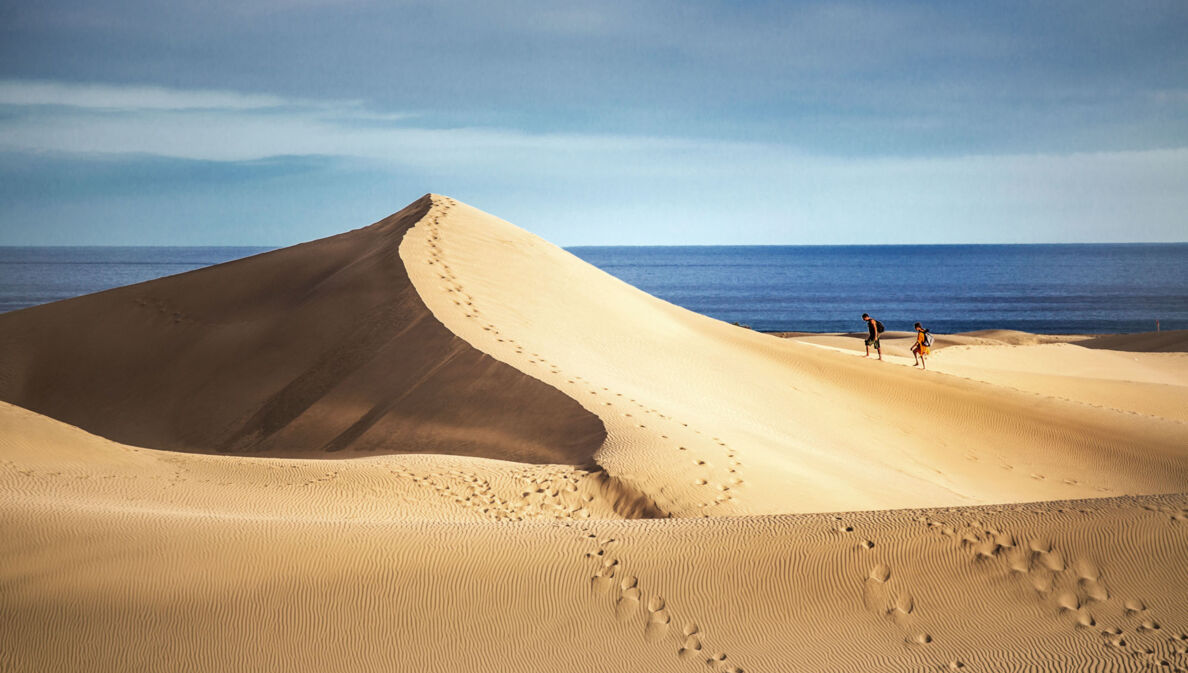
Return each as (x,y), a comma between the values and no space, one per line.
(922,347)
(874,330)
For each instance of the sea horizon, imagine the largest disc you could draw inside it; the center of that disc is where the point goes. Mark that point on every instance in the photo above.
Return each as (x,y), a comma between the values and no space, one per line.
(1045,288)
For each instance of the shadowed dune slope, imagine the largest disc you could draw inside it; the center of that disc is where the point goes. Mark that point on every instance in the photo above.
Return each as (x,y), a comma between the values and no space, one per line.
(1171,341)
(321,347)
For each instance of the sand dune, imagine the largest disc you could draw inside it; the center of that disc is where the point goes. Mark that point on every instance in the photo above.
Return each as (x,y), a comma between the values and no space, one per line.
(322,347)
(711,419)
(629,486)
(1171,341)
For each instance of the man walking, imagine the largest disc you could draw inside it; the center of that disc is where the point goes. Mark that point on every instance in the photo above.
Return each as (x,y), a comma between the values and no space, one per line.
(874,329)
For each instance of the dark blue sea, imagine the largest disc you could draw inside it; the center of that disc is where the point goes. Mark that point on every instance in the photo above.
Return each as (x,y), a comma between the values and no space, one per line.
(1095,289)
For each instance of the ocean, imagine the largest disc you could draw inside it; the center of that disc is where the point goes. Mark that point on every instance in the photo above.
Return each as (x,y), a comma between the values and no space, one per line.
(1049,289)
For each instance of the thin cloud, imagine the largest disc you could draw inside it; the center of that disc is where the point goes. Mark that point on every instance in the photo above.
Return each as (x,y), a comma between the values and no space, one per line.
(222,126)
(112,97)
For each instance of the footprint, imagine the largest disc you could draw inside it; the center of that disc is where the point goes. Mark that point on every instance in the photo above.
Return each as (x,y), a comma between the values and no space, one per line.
(1068,601)
(1040,546)
(1019,560)
(905,604)
(602,582)
(605,577)
(1053,561)
(1042,581)
(1094,590)
(627,604)
(874,590)
(1087,571)
(691,647)
(986,549)
(657,626)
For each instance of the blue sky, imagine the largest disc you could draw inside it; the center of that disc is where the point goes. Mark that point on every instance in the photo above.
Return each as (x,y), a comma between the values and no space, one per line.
(268,122)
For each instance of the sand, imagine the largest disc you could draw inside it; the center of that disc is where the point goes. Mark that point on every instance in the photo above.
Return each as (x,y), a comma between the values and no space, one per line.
(441,443)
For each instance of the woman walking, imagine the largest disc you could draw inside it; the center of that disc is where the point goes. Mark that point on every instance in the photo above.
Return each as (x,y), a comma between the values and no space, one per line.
(922,347)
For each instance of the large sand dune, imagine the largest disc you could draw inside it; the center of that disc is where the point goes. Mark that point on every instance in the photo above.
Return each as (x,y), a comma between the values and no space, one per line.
(322,347)
(709,418)
(631,486)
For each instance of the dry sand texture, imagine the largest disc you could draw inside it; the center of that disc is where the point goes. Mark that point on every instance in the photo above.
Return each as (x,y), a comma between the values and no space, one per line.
(599,534)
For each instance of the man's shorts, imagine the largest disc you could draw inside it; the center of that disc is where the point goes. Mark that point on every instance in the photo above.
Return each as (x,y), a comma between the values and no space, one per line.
(874,342)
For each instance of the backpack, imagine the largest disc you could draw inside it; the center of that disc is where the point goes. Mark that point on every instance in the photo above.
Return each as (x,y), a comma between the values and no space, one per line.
(928,338)
(878,327)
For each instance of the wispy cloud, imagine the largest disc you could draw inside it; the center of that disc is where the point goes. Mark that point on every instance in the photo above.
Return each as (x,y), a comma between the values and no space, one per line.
(112,97)
(229,126)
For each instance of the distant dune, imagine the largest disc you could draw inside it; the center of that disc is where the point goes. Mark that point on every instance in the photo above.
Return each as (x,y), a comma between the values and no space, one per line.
(440,443)
(1171,341)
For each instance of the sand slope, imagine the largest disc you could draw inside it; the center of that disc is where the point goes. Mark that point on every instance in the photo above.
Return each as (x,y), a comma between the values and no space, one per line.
(118,558)
(322,347)
(710,419)
(1073,368)
(352,544)
(1149,383)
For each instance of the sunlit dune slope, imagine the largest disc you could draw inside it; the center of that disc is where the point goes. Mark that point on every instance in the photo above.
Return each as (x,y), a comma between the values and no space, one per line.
(321,348)
(710,419)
